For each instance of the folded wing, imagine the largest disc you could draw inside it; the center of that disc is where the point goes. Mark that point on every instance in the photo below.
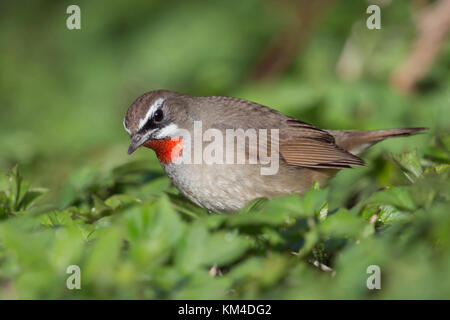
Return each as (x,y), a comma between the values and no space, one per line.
(304,145)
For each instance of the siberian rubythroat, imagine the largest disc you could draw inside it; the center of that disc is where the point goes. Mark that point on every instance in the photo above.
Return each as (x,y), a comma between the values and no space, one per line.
(220,152)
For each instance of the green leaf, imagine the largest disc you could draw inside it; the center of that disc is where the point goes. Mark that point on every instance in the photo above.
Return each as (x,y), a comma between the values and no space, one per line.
(155,187)
(103,257)
(153,229)
(224,247)
(248,269)
(200,285)
(67,247)
(410,164)
(277,211)
(398,197)
(313,201)
(344,224)
(5,208)
(18,188)
(120,200)
(190,252)
(272,215)
(389,214)
(100,209)
(311,239)
(254,205)
(185,206)
(57,218)
(31,196)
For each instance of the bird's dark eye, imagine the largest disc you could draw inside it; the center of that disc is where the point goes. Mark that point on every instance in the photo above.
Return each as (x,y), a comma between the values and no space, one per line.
(158,116)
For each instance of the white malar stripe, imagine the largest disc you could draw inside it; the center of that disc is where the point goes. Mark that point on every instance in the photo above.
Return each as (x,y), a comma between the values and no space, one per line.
(126,129)
(146,136)
(158,102)
(167,132)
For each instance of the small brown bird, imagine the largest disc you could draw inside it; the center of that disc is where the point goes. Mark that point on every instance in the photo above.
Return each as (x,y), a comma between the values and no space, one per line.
(286,156)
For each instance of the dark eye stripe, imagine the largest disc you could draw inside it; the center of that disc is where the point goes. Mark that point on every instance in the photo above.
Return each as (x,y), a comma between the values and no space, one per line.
(148,125)
(151,123)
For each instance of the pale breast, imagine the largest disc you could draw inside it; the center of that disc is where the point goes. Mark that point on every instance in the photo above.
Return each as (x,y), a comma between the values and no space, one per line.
(228,187)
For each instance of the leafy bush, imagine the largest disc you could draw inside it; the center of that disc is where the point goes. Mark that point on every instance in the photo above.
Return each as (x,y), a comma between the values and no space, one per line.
(62,102)
(133,236)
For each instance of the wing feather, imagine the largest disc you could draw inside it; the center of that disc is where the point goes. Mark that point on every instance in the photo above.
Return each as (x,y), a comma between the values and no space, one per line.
(306,146)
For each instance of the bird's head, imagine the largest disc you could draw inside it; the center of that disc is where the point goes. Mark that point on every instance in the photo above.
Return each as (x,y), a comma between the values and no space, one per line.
(153,121)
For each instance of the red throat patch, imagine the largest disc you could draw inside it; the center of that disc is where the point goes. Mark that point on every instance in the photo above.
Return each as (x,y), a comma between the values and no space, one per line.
(167,150)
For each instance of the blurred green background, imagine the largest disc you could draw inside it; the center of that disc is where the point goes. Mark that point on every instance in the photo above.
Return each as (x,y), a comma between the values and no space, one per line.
(63,95)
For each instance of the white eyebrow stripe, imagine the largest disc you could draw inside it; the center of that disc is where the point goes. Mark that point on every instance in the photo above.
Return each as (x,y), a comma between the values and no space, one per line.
(126,129)
(158,102)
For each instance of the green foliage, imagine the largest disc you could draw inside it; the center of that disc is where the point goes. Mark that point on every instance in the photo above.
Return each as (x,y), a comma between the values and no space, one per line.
(18,197)
(288,247)
(62,101)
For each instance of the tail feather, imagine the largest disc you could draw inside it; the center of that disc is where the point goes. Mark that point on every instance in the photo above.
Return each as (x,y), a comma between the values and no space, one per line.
(355,141)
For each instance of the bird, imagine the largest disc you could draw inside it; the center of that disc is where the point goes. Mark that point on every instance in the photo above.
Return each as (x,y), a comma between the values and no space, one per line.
(163,120)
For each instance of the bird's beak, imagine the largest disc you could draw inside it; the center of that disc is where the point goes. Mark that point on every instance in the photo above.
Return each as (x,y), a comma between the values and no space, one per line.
(136,141)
